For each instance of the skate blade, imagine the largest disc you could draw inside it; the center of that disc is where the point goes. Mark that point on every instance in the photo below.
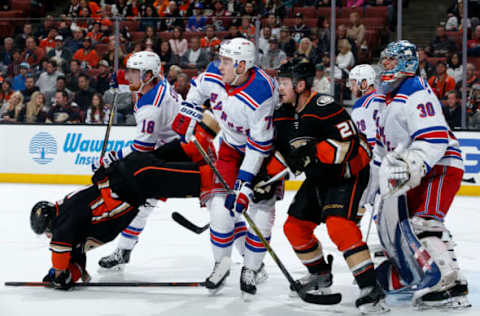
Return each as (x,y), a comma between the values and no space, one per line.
(453,303)
(217,290)
(118,268)
(324,291)
(247,297)
(371,308)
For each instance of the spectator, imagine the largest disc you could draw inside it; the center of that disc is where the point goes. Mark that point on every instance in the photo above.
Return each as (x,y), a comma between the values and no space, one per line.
(87,55)
(272,23)
(274,56)
(103,77)
(30,88)
(473,104)
(5,94)
(172,18)
(197,21)
(455,68)
(97,113)
(6,52)
(15,111)
(233,32)
(471,79)
(323,30)
(96,35)
(64,28)
(21,38)
(452,110)
(35,109)
(441,45)
(249,9)
(341,35)
(264,40)
(63,111)
(50,96)
(220,17)
(166,56)
(210,40)
(44,29)
(474,44)
(276,8)
(19,80)
(72,8)
(173,72)
(13,68)
(182,84)
(425,68)
(356,30)
(133,8)
(48,43)
(321,83)
(345,59)
(109,55)
(83,97)
(48,79)
(40,68)
(287,44)
(305,50)
(150,34)
(120,8)
(441,83)
(75,43)
(63,55)
(337,72)
(32,54)
(72,76)
(195,56)
(178,44)
(299,30)
(246,28)
(355,3)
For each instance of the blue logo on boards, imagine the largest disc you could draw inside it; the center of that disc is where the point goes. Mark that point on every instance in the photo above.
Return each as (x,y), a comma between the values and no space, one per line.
(43,148)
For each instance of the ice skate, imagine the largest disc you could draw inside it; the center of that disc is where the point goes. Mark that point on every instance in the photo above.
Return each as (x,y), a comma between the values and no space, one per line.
(248,279)
(216,280)
(371,300)
(262,274)
(116,261)
(454,298)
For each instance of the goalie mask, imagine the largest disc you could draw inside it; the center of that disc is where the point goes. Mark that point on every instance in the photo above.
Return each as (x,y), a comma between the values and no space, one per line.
(41,217)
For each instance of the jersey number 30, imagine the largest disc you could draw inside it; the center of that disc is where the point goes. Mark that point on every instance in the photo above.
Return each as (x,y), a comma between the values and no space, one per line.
(426,109)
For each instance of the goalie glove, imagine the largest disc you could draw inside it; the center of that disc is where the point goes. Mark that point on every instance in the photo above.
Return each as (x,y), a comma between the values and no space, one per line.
(187,117)
(400,171)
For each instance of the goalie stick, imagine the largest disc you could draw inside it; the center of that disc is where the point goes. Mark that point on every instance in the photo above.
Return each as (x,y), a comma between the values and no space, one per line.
(111,284)
(322,299)
(180,219)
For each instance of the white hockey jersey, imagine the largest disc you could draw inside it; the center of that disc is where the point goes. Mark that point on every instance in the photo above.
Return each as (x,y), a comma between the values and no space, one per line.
(412,116)
(244,113)
(364,113)
(154,113)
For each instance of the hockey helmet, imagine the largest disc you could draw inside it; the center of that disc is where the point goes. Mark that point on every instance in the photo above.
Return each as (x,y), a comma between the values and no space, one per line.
(238,49)
(360,73)
(407,61)
(145,61)
(304,70)
(41,216)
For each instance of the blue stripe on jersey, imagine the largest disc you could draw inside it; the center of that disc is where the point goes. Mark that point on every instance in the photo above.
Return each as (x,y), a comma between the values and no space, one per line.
(149,97)
(434,141)
(144,143)
(400,100)
(429,129)
(159,102)
(376,163)
(245,175)
(193,83)
(245,101)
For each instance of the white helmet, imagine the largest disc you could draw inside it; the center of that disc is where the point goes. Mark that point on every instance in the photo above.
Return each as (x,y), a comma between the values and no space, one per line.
(145,61)
(239,49)
(360,73)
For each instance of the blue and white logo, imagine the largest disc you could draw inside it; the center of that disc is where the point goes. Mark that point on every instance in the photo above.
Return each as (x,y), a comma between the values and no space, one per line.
(43,148)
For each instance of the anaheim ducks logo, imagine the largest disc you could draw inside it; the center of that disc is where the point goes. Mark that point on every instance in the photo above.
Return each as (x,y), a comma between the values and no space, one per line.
(324,100)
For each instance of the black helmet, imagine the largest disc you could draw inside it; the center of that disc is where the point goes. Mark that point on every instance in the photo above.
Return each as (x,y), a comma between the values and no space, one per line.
(305,70)
(286,70)
(41,216)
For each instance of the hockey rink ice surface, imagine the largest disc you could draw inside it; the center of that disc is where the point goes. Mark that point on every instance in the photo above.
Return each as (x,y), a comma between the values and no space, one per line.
(169,252)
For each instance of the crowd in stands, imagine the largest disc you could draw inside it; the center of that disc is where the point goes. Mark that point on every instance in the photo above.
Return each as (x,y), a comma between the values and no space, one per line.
(59,70)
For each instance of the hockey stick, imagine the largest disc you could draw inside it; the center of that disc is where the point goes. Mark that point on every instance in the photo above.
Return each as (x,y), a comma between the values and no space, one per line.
(327,299)
(110,123)
(180,219)
(112,284)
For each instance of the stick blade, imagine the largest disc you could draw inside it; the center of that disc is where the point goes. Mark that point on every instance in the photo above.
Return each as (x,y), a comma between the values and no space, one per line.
(321,299)
(180,219)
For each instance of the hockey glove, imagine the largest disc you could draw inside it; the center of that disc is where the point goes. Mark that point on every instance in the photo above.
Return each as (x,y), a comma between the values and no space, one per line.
(105,161)
(238,201)
(63,281)
(400,171)
(301,157)
(187,117)
(50,276)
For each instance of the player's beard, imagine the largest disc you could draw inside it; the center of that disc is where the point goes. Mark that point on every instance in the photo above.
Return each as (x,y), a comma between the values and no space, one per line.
(134,87)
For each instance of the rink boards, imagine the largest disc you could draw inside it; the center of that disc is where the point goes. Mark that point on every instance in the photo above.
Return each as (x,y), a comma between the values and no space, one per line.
(63,154)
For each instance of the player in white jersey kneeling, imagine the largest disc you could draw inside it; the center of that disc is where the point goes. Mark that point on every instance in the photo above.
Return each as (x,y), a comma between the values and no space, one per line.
(242,98)
(420,167)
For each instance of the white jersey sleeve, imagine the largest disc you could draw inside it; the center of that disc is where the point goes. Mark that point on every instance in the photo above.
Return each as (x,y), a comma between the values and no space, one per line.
(198,92)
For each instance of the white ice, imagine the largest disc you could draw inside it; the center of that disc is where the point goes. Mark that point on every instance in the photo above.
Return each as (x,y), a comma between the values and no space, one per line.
(169,252)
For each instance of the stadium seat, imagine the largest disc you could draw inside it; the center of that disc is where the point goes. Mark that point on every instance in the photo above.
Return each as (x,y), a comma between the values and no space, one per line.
(21,5)
(221,34)
(475,61)
(345,12)
(164,36)
(371,12)
(308,12)
(6,29)
(189,35)
(456,37)
(435,60)
(101,49)
(131,24)
(326,12)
